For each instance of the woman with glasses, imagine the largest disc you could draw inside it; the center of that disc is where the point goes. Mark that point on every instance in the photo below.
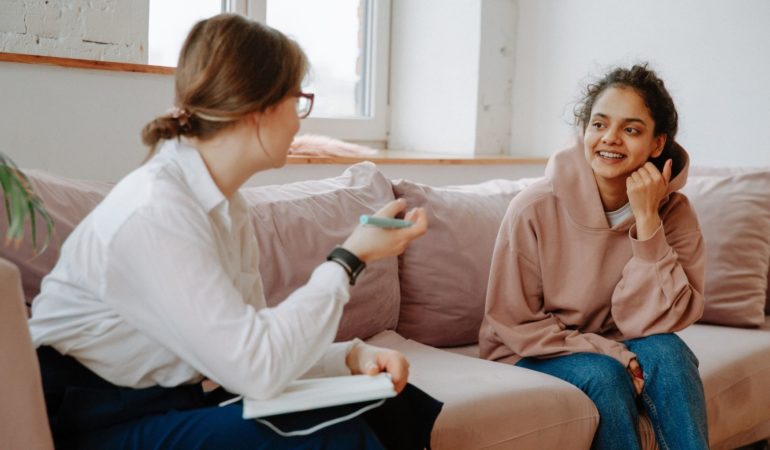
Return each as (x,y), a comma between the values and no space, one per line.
(158,288)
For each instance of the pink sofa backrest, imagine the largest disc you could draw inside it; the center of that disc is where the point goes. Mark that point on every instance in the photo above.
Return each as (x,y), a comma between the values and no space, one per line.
(440,282)
(733,206)
(444,274)
(296,225)
(68,201)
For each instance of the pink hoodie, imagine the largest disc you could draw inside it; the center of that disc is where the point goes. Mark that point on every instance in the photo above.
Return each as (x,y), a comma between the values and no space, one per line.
(562,281)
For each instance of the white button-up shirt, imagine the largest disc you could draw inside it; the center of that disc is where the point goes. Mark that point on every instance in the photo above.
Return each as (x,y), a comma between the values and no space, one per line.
(159,285)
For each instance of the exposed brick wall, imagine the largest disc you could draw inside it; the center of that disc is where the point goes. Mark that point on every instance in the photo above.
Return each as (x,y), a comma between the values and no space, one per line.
(104,30)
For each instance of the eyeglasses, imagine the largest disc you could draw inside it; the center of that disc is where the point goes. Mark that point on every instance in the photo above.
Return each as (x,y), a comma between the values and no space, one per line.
(304,104)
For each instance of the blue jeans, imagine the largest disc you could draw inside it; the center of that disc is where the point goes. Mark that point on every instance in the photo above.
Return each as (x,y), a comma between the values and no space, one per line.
(672,395)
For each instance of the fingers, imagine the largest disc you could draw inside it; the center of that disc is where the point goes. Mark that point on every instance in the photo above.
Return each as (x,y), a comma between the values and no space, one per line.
(667,170)
(649,176)
(403,236)
(371,368)
(420,219)
(371,360)
(637,375)
(397,366)
(371,243)
(392,208)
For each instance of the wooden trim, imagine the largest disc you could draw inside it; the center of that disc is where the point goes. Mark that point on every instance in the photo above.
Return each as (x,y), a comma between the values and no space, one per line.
(417,158)
(85,63)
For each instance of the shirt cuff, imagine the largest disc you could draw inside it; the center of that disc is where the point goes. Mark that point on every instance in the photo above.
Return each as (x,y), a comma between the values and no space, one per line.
(652,249)
(334,359)
(333,274)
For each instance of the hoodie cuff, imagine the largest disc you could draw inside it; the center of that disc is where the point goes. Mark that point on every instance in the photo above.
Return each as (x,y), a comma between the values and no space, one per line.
(652,249)
(626,356)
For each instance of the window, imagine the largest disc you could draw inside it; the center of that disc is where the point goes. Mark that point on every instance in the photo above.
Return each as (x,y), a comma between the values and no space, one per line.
(170,21)
(346,42)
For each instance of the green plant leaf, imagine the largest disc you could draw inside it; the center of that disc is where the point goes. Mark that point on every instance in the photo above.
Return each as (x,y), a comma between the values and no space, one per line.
(22,204)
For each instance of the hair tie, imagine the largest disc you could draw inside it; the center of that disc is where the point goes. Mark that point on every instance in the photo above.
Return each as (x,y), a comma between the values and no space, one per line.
(182,115)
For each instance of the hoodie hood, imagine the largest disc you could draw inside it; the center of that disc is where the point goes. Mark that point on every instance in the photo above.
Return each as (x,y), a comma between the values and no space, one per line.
(575,186)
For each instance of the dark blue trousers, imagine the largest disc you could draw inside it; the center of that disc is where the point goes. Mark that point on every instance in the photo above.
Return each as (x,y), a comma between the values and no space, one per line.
(87,412)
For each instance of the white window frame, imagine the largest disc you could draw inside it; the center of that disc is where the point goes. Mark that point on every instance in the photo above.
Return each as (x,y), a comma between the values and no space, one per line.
(371,130)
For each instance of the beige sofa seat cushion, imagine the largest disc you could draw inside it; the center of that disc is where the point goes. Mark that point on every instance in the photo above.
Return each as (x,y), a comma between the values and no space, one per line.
(495,406)
(646,431)
(735,367)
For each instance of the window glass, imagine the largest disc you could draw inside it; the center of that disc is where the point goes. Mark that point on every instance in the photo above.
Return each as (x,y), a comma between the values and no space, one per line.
(170,21)
(334,36)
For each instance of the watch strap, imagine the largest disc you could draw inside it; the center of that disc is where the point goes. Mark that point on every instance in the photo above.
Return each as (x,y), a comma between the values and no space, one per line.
(350,262)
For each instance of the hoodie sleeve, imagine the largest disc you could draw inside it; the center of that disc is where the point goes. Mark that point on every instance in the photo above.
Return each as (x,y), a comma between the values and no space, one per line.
(515,322)
(661,289)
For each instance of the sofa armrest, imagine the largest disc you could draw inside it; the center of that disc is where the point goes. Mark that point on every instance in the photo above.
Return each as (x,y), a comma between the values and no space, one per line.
(23,418)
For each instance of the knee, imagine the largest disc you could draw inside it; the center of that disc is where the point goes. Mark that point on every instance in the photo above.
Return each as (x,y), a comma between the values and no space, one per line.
(666,349)
(353,434)
(606,376)
(348,435)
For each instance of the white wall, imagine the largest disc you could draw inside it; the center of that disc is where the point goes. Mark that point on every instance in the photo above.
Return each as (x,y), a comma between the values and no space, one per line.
(86,124)
(451,73)
(434,75)
(75,122)
(103,30)
(713,55)
(496,70)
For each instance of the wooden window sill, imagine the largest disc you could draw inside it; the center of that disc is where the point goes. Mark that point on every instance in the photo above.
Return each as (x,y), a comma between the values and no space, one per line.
(85,63)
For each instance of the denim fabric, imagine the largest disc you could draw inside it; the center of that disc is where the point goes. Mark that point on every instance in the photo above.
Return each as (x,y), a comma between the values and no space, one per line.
(88,413)
(672,395)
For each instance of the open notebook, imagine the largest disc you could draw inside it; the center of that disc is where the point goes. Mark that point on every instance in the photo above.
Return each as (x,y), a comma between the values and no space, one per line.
(314,393)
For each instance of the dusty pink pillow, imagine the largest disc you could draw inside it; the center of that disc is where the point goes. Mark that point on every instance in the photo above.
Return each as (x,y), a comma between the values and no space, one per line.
(733,207)
(297,224)
(444,273)
(68,201)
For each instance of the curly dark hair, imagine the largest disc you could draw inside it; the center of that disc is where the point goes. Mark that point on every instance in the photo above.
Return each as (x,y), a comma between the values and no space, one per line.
(652,90)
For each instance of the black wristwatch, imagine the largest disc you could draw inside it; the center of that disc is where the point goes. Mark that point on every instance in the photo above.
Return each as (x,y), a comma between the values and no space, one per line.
(350,262)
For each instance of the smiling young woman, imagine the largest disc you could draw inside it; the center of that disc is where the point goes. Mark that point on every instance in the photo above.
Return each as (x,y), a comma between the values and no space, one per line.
(596,266)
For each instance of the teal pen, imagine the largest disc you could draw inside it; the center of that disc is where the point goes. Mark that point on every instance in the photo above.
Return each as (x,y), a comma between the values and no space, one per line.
(385,222)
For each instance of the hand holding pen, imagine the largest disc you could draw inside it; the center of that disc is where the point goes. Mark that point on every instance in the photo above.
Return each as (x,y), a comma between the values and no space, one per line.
(380,235)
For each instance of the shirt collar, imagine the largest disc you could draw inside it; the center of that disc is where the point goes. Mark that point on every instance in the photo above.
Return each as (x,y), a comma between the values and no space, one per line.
(196,174)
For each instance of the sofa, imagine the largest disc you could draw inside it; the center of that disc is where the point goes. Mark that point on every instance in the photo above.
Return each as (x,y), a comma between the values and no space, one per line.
(428,303)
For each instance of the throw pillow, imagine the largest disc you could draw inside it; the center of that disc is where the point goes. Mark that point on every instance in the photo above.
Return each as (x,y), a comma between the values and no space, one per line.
(68,201)
(444,274)
(733,207)
(297,224)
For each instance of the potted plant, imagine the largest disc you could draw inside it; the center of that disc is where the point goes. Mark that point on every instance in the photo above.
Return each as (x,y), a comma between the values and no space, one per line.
(22,203)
